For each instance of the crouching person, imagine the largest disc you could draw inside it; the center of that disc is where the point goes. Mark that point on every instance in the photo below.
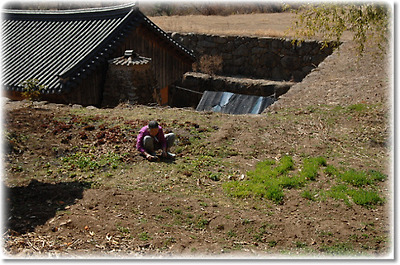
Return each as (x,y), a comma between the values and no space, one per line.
(151,138)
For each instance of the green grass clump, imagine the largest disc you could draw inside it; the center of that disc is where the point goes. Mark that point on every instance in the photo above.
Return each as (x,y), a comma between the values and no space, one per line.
(263,181)
(339,192)
(361,178)
(89,162)
(357,107)
(311,167)
(363,193)
(331,171)
(338,249)
(376,175)
(144,236)
(365,198)
(275,194)
(270,178)
(309,195)
(356,178)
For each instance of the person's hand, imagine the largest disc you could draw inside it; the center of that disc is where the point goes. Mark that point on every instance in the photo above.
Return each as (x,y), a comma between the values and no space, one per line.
(151,158)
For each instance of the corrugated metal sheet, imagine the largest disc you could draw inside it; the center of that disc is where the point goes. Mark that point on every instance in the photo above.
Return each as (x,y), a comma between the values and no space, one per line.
(66,46)
(227,102)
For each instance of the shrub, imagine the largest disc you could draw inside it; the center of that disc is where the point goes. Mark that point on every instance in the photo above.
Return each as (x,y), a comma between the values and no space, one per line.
(32,90)
(209,64)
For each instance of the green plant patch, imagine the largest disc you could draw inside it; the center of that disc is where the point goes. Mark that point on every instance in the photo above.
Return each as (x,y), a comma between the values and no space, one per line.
(144,236)
(338,249)
(270,178)
(376,175)
(339,192)
(202,223)
(356,178)
(365,198)
(357,107)
(294,182)
(309,195)
(311,167)
(359,196)
(331,171)
(275,194)
(364,194)
(87,161)
(362,178)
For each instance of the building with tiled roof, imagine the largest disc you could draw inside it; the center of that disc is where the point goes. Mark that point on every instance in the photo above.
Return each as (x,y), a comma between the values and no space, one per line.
(68,51)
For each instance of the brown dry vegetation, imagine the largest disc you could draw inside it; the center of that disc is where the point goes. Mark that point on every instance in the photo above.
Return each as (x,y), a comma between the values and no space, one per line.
(259,25)
(266,24)
(76,187)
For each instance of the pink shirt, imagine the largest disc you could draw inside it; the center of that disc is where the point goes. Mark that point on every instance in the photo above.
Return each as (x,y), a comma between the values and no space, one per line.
(144,132)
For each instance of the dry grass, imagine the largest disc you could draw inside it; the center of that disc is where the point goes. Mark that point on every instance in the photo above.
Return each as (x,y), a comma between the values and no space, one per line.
(269,25)
(257,25)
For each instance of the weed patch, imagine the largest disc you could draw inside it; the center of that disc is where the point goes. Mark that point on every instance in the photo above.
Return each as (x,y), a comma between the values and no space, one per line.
(338,249)
(269,179)
(357,107)
(87,161)
(361,190)
(365,198)
(144,236)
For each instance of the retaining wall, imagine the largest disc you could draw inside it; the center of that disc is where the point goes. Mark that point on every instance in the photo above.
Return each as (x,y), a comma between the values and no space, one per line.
(258,57)
(189,90)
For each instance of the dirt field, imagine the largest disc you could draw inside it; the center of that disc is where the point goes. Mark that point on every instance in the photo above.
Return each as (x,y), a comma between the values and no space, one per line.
(76,187)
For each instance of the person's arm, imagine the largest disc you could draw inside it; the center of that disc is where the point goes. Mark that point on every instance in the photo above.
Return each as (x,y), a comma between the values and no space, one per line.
(139,143)
(140,147)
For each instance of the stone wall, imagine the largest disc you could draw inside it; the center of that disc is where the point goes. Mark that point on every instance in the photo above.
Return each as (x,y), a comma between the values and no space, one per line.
(134,84)
(264,58)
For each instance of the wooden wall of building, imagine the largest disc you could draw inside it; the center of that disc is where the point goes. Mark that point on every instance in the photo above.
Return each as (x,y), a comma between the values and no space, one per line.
(169,64)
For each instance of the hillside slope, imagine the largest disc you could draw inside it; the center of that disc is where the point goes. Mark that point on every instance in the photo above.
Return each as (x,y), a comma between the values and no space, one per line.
(76,186)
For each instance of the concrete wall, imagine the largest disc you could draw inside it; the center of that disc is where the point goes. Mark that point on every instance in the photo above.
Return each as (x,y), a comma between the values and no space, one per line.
(198,83)
(264,58)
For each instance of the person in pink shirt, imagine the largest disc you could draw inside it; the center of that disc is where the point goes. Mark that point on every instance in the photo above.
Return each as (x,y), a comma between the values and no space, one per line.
(151,138)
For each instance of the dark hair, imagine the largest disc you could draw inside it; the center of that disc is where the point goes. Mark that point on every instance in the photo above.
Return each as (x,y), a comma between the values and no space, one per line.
(153,124)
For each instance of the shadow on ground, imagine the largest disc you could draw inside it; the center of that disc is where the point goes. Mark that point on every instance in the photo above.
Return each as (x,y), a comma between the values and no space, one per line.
(30,206)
